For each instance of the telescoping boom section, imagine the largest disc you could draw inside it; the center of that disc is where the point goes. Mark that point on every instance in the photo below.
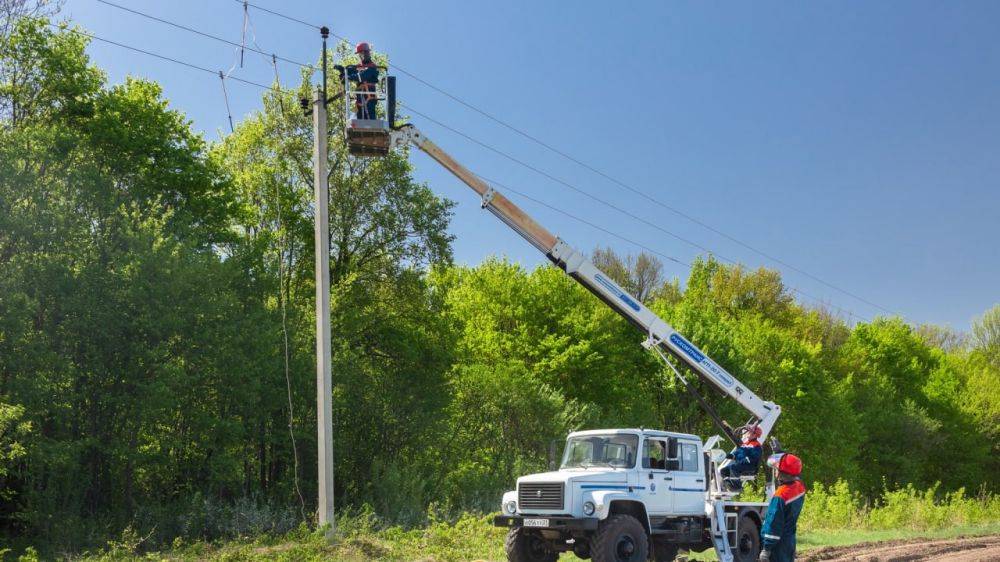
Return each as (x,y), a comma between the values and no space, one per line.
(576,264)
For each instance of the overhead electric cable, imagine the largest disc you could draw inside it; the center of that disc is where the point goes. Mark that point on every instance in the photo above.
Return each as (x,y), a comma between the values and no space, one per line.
(562,182)
(204,34)
(605,175)
(582,221)
(169,59)
(608,204)
(647,248)
(279,14)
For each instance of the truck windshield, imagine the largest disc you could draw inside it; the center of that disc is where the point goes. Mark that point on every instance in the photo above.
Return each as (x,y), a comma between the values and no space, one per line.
(615,451)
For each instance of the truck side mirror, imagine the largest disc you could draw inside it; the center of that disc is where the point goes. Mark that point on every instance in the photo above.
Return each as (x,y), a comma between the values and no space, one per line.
(673,461)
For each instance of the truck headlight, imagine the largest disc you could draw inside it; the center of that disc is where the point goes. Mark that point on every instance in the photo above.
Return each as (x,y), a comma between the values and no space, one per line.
(511,507)
(588,508)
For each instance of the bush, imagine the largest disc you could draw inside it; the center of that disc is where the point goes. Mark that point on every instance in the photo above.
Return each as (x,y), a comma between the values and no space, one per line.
(833,507)
(838,507)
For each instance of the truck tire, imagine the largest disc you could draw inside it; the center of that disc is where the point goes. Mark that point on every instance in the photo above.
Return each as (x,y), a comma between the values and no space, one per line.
(664,551)
(620,538)
(747,546)
(524,546)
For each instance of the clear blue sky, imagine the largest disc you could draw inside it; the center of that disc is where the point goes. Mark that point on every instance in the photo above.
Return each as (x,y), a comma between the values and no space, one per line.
(858,141)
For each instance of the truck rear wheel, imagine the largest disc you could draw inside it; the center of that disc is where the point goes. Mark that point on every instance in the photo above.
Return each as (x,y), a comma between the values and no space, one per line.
(524,546)
(620,538)
(747,546)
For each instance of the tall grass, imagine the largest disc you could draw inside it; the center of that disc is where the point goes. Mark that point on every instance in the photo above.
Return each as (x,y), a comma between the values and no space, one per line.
(838,507)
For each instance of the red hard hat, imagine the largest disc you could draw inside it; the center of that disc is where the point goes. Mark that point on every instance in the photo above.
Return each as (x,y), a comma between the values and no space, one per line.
(786,462)
(362,46)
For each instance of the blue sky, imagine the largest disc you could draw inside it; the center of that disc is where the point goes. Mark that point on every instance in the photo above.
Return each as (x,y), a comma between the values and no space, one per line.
(856,141)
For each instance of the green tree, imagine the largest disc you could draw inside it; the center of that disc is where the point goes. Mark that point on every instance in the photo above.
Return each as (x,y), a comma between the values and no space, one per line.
(986,335)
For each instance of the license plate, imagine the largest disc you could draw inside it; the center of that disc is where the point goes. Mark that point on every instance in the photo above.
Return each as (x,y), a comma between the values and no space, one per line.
(536,522)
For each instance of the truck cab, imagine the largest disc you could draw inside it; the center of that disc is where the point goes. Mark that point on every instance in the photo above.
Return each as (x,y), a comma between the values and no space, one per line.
(621,495)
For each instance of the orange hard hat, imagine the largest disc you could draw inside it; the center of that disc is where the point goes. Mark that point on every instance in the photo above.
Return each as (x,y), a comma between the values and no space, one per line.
(362,46)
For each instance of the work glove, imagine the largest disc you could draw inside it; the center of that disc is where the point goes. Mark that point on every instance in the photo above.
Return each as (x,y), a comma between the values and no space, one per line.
(765,556)
(730,456)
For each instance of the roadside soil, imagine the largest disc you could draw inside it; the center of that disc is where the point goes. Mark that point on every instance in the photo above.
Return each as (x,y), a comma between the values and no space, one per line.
(962,549)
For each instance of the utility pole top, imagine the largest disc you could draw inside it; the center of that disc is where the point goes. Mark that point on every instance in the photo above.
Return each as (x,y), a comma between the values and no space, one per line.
(324,32)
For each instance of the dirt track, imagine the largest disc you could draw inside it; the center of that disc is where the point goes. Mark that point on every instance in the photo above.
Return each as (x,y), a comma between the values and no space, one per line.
(972,549)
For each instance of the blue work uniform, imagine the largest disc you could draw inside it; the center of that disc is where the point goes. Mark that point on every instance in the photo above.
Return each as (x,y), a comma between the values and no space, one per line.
(366,75)
(778,532)
(746,459)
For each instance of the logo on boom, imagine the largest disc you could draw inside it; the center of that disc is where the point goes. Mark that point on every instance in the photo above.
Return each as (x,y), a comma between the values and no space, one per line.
(699,358)
(618,292)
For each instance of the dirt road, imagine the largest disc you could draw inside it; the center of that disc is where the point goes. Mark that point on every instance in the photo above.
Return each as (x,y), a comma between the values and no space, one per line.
(972,549)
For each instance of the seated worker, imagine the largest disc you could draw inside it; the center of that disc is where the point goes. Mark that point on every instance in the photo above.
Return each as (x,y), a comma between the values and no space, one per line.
(366,76)
(746,458)
(781,524)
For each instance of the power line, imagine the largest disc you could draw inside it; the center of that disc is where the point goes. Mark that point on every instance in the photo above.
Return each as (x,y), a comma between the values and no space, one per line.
(643,246)
(545,174)
(606,203)
(279,14)
(605,175)
(169,59)
(591,196)
(582,220)
(204,34)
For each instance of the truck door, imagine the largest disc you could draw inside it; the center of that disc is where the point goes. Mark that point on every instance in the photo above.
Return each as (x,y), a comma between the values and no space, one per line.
(688,484)
(653,476)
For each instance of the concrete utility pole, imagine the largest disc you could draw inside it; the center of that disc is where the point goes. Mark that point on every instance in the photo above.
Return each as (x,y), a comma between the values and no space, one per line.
(324,383)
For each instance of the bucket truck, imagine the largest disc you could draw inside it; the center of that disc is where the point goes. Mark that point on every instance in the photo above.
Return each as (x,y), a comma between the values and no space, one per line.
(619,494)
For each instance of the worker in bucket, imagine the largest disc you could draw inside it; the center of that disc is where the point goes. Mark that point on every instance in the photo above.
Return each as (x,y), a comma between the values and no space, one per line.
(365,75)
(778,533)
(746,458)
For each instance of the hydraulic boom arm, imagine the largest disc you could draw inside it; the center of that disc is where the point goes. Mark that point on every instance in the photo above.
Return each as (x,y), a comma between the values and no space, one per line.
(660,334)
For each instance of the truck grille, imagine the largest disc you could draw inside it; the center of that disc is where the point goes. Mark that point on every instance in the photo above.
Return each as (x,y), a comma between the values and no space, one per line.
(540,496)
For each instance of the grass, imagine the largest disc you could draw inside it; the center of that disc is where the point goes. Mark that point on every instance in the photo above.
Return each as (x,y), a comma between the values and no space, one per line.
(470,538)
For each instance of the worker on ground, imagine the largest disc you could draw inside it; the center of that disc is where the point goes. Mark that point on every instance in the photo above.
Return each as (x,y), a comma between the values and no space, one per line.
(746,459)
(778,533)
(366,76)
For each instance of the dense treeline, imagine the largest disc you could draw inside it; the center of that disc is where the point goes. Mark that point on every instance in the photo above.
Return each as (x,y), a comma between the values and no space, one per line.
(156,334)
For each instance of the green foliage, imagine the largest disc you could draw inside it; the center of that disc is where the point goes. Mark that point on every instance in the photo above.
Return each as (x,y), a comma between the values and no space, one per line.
(986,334)
(14,430)
(838,507)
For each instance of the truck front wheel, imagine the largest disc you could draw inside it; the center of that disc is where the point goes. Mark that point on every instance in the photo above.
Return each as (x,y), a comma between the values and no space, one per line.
(524,546)
(620,538)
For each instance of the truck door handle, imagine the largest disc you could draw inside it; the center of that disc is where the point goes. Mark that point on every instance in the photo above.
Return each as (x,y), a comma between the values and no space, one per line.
(700,480)
(667,478)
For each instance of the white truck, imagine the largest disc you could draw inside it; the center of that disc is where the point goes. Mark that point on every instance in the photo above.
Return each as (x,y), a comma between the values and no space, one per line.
(628,494)
(619,494)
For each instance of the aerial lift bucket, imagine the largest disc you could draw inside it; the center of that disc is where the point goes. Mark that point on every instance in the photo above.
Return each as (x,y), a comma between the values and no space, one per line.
(370,137)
